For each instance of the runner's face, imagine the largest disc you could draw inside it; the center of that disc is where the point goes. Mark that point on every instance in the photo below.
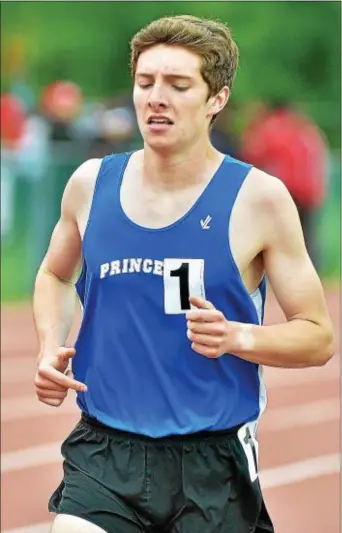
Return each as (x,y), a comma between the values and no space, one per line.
(171,97)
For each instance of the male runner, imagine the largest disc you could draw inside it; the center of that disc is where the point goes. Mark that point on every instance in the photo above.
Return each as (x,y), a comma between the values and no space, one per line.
(175,241)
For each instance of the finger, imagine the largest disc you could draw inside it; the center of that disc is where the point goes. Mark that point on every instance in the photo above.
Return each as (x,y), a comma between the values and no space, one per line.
(66,353)
(206,328)
(51,401)
(204,315)
(69,374)
(62,379)
(207,351)
(45,383)
(206,340)
(48,393)
(201,303)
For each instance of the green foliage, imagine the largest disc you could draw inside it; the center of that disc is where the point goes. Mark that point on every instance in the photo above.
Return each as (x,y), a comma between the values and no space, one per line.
(287,49)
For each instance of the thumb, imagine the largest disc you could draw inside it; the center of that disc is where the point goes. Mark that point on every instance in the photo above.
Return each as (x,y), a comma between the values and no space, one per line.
(66,353)
(201,303)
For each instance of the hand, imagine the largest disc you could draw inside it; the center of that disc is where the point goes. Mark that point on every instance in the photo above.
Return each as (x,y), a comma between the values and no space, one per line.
(208,329)
(54,379)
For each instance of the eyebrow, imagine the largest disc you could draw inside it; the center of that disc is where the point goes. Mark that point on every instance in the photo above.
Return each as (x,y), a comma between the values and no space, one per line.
(167,76)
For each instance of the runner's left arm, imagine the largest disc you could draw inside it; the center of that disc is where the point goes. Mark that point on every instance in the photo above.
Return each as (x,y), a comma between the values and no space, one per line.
(306,337)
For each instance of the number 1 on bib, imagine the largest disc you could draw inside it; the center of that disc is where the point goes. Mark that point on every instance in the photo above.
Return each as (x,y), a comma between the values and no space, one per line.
(182,278)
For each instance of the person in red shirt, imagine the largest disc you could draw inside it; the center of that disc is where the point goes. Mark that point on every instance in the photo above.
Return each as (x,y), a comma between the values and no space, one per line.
(287,144)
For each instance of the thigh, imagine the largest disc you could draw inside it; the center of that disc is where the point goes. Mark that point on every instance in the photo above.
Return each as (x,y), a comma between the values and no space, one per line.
(211,492)
(222,489)
(211,516)
(74,524)
(90,489)
(80,497)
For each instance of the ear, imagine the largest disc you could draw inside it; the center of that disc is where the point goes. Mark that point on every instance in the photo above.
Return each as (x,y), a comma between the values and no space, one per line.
(217,103)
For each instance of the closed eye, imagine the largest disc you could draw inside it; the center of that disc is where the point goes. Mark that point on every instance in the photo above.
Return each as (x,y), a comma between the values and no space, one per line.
(182,89)
(176,87)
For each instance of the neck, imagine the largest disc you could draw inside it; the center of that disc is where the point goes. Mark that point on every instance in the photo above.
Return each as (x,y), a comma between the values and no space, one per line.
(171,170)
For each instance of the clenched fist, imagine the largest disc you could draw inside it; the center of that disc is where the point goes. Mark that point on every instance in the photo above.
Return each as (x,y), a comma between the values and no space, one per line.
(211,334)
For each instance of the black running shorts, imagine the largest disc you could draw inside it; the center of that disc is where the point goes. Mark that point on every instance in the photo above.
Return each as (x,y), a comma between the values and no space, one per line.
(126,483)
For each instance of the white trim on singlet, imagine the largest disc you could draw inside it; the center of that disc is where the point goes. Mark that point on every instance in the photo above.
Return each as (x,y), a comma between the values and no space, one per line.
(80,303)
(258,303)
(251,427)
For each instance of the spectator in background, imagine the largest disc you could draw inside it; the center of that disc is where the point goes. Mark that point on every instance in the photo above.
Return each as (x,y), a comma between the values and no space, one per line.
(116,132)
(61,104)
(286,143)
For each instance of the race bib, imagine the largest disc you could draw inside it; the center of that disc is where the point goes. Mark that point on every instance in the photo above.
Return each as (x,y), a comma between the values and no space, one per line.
(182,278)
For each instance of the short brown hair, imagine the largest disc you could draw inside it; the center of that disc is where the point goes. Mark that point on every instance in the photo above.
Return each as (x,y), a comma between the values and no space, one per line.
(210,39)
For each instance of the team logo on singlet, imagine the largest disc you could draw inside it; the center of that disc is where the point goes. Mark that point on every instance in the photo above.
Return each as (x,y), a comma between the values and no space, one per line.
(129,266)
(205,224)
(182,278)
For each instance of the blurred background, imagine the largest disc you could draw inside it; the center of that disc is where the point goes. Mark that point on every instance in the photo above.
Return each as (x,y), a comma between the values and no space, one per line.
(66,97)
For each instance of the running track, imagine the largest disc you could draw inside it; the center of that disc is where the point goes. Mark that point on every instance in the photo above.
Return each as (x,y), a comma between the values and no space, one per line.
(298,435)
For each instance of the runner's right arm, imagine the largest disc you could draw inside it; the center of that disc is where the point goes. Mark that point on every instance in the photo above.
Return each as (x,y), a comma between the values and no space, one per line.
(54,295)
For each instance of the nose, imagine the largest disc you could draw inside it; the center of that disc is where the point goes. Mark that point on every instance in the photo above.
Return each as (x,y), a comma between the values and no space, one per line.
(157,98)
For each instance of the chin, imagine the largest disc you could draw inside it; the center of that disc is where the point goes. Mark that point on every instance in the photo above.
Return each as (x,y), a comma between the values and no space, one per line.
(159,143)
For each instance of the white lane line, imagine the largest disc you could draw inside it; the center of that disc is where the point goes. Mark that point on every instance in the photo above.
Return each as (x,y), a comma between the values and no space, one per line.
(43,527)
(302,470)
(31,457)
(269,478)
(301,415)
(18,369)
(280,377)
(22,407)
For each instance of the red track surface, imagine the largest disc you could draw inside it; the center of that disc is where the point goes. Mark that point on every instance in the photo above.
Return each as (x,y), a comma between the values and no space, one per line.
(299,432)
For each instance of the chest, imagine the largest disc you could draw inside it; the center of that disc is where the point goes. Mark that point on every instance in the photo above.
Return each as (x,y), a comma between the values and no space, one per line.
(156,209)
(205,231)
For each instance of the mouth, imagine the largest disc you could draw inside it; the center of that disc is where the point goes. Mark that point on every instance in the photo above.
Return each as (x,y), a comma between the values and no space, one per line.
(159,121)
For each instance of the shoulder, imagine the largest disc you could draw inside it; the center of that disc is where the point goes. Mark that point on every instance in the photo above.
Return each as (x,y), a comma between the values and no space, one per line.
(80,186)
(83,180)
(267,193)
(87,171)
(270,205)
(274,211)
(84,176)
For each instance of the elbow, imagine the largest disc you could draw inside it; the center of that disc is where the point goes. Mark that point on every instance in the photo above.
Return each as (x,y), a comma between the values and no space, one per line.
(326,356)
(327,348)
